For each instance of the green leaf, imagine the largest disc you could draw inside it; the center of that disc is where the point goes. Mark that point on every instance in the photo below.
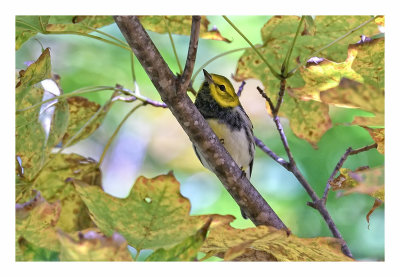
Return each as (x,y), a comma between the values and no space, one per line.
(92,245)
(35,221)
(154,214)
(28,26)
(80,111)
(185,251)
(180,25)
(77,23)
(54,183)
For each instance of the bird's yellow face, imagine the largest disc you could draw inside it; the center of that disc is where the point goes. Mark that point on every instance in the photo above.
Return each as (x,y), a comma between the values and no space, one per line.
(221,90)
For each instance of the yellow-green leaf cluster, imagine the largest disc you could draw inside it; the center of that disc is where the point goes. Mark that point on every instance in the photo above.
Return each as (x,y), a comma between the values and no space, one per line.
(33,144)
(309,118)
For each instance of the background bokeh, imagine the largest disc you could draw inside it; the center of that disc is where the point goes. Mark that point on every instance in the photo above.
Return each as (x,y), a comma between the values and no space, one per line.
(151,142)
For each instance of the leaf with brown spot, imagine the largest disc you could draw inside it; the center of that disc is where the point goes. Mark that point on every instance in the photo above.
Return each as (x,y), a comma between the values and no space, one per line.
(54,183)
(154,215)
(369,61)
(378,135)
(35,221)
(33,142)
(77,23)
(92,245)
(365,180)
(264,243)
(180,25)
(80,111)
(352,94)
(28,26)
(323,76)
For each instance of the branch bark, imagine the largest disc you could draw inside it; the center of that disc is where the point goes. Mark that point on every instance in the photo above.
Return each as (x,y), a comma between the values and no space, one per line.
(193,122)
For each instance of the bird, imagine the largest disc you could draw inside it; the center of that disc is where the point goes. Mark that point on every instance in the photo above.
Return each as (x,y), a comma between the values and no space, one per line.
(219,104)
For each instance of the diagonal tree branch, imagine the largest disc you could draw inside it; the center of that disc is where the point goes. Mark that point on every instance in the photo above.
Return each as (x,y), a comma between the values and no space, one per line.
(194,124)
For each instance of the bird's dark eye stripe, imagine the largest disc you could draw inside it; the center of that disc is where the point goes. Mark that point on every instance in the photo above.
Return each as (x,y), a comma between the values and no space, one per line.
(222,87)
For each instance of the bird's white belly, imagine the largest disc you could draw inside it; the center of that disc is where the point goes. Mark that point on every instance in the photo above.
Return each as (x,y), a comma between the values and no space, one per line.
(235,142)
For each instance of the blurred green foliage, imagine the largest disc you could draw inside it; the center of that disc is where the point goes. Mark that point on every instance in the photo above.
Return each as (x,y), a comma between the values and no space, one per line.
(136,151)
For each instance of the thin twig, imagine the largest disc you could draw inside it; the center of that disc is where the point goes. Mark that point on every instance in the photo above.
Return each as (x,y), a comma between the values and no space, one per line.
(278,124)
(362,149)
(349,152)
(191,56)
(265,96)
(172,44)
(316,203)
(280,96)
(241,87)
(110,140)
(270,153)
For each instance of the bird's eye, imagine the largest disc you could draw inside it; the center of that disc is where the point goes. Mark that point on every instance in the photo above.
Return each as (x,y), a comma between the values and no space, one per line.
(205,84)
(222,87)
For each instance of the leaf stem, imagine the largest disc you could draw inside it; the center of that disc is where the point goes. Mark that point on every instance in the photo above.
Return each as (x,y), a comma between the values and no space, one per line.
(254,48)
(286,62)
(110,140)
(173,44)
(329,45)
(87,35)
(66,95)
(216,57)
(133,68)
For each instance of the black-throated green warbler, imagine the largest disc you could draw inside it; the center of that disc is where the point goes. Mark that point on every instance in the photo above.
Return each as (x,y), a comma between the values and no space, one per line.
(219,104)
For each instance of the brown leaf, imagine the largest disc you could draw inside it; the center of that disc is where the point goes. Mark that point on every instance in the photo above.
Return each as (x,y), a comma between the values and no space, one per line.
(92,245)
(377,203)
(378,135)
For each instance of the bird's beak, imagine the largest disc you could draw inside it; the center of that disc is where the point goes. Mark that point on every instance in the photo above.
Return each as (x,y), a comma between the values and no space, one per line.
(208,77)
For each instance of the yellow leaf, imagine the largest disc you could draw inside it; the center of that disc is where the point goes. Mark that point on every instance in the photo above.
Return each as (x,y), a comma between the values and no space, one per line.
(264,243)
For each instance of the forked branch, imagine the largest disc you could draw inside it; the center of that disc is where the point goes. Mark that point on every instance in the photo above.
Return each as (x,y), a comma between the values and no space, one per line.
(170,87)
